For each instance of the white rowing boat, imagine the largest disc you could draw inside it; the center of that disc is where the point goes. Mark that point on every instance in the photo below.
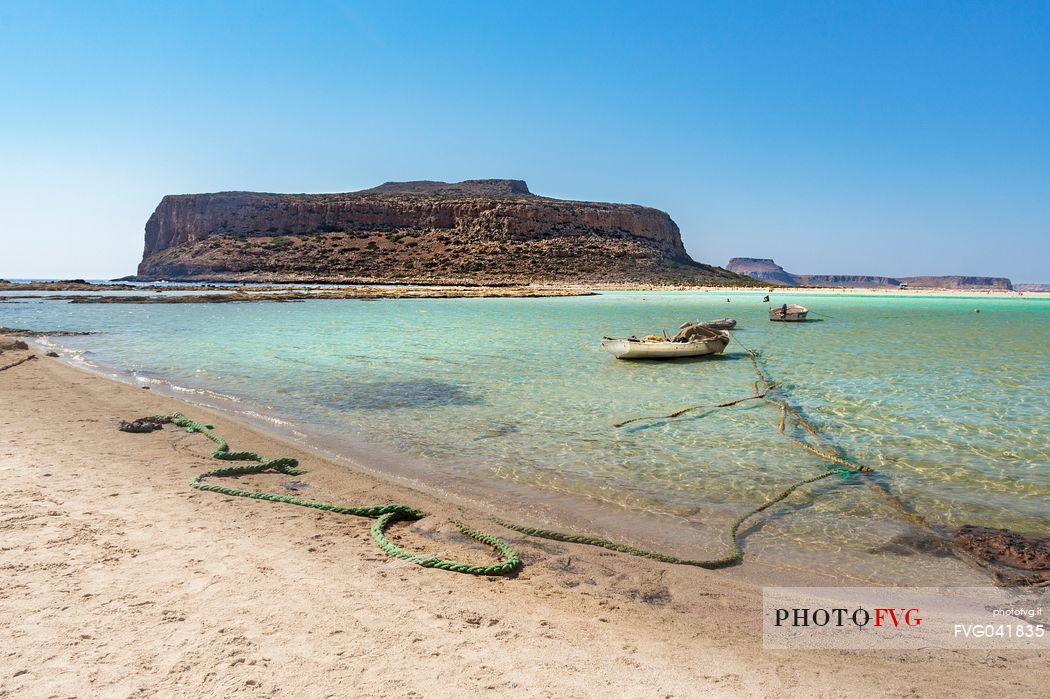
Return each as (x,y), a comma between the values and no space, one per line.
(633,348)
(788,313)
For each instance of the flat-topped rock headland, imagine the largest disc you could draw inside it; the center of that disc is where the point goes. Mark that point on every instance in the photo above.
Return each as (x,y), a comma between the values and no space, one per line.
(472,232)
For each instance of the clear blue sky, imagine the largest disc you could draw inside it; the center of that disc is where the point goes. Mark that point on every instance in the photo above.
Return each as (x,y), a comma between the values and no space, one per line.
(864,138)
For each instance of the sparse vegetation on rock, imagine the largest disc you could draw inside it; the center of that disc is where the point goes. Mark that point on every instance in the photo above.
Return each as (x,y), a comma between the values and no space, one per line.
(477,232)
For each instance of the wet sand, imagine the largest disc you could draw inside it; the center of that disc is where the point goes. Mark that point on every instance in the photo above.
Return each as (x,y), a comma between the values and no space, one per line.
(121,580)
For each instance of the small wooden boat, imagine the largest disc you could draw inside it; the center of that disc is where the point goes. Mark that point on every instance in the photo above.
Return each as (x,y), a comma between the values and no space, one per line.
(788,313)
(696,344)
(720,324)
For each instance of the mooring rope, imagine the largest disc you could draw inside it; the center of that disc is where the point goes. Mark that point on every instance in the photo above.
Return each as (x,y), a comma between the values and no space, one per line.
(762,390)
(683,411)
(735,557)
(836,455)
(385,515)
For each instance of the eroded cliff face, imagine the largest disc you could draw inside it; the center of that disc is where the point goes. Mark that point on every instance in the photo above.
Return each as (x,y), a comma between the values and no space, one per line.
(479,230)
(761,269)
(960,282)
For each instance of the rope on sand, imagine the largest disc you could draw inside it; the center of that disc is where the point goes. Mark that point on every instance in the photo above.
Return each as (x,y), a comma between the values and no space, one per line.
(20,361)
(735,557)
(385,515)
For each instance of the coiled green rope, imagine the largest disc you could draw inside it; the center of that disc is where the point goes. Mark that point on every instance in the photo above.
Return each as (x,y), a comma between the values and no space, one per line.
(385,515)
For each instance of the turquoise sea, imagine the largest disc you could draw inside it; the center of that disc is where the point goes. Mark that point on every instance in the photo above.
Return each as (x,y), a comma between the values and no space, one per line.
(950,406)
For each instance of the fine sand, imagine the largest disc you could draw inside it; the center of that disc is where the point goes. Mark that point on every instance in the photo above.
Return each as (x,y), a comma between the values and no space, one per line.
(120,580)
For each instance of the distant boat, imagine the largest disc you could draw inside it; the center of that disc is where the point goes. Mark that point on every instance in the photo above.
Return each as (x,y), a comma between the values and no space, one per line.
(693,340)
(788,313)
(720,324)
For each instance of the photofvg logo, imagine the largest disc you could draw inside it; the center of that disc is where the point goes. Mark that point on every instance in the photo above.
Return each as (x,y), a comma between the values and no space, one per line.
(900,617)
(841,616)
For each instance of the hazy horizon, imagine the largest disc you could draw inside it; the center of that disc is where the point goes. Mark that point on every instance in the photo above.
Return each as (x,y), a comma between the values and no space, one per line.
(868,139)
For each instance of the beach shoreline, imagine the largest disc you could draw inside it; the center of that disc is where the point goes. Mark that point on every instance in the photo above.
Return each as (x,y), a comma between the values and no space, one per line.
(104,539)
(698,536)
(487,496)
(202,292)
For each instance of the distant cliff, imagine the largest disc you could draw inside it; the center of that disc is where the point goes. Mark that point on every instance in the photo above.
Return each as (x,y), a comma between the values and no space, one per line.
(478,231)
(768,271)
(762,269)
(960,282)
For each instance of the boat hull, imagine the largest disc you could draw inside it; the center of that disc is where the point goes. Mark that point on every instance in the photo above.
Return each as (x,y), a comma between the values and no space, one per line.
(795,314)
(721,324)
(790,318)
(622,348)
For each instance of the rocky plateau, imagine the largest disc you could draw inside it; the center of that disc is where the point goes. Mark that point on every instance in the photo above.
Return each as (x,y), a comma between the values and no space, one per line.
(474,232)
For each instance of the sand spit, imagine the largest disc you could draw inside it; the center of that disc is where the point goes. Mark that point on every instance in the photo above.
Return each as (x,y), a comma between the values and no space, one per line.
(371,292)
(279,293)
(376,289)
(120,580)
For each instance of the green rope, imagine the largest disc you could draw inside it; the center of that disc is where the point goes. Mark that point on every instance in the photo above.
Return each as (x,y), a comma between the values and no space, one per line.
(734,558)
(736,555)
(385,515)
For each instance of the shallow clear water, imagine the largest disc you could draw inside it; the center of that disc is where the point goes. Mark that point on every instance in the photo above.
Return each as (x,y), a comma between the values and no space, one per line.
(951,407)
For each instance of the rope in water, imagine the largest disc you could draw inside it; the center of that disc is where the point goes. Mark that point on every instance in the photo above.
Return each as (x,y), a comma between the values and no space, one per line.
(735,556)
(683,411)
(762,390)
(836,455)
(385,515)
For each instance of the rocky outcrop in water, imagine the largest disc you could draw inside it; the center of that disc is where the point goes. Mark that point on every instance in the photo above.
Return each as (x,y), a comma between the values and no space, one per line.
(478,231)
(768,271)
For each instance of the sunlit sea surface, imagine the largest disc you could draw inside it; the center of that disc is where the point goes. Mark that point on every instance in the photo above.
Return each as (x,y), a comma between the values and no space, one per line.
(950,406)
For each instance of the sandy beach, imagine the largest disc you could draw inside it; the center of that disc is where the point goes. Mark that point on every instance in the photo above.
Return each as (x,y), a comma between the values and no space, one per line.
(121,580)
(302,291)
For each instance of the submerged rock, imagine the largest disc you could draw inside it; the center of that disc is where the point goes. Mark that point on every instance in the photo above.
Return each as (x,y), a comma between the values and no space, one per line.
(1014,558)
